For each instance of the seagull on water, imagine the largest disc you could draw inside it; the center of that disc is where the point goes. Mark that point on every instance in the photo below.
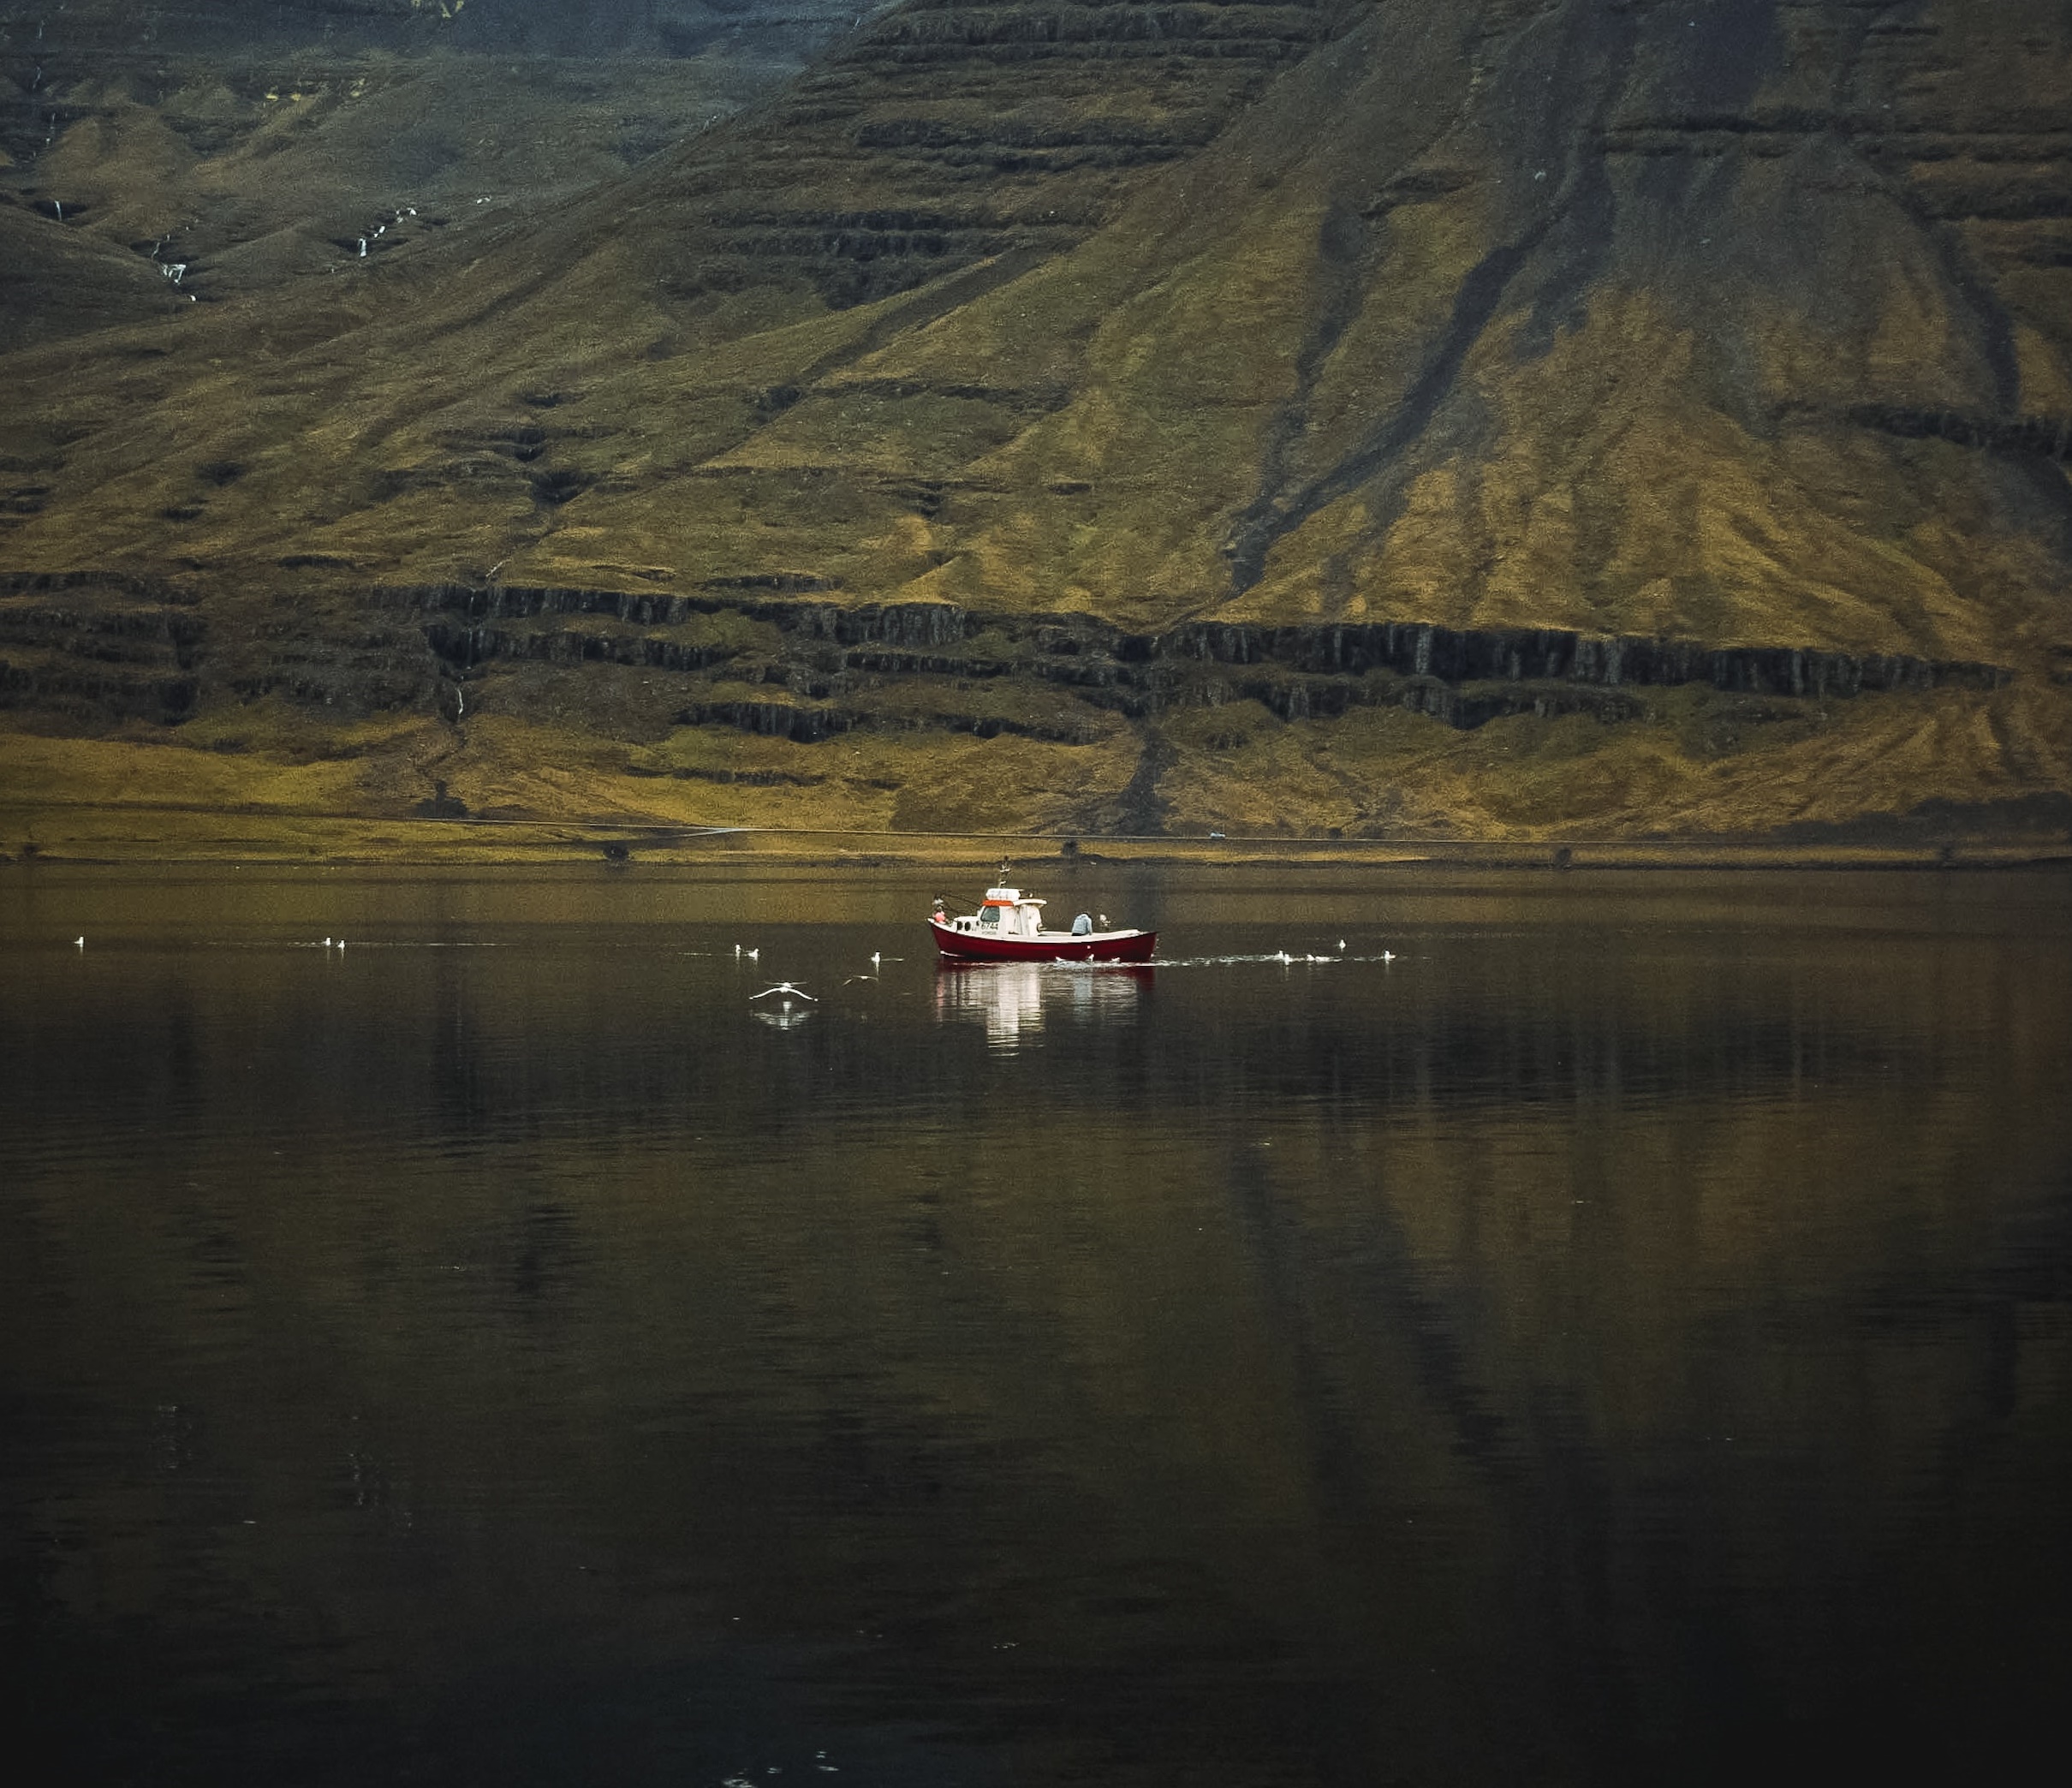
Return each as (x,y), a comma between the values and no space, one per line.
(786,989)
(79,943)
(750,954)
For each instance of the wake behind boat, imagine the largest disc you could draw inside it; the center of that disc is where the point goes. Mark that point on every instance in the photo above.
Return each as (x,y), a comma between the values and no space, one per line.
(1009,928)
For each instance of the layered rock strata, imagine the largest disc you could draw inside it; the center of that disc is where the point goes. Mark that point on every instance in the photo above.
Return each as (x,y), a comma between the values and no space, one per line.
(1497,416)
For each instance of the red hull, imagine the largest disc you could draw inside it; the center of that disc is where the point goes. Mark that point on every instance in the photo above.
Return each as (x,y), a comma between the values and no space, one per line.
(1134,946)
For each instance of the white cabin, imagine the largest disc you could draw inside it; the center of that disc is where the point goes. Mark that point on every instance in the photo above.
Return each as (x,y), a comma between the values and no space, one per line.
(1006,913)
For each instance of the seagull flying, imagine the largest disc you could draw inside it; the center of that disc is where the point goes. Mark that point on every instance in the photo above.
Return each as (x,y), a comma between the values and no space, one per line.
(785,988)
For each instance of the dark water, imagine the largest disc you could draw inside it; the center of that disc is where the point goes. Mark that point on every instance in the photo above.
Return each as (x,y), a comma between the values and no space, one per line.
(1626,1339)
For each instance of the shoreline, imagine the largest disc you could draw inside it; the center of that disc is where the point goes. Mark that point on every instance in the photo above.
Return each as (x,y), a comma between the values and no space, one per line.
(146,834)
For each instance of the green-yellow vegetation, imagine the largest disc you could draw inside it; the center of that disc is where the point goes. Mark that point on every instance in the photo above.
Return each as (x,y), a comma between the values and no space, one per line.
(1383,342)
(1609,504)
(875,781)
(115,773)
(1702,765)
(1428,249)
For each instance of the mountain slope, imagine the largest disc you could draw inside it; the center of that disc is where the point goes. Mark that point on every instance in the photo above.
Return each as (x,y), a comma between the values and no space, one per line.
(233,146)
(1529,420)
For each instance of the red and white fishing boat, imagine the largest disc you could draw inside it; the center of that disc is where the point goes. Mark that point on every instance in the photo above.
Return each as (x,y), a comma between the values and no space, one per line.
(1009,928)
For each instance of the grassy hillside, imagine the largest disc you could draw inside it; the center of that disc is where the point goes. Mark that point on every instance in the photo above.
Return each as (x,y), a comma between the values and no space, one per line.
(1504,420)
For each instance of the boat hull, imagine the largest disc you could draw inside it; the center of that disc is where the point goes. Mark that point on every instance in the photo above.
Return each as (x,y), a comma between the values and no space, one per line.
(1125,946)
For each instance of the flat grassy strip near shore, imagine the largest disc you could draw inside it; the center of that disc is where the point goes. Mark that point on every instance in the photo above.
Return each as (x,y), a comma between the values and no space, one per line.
(35,833)
(404,790)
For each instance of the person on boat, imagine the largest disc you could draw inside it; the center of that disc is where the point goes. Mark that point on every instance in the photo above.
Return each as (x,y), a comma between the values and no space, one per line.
(1082,927)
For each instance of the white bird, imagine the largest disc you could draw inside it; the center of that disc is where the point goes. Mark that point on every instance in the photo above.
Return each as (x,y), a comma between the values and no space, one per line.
(1341,943)
(327,943)
(876,958)
(79,943)
(786,989)
(747,954)
(1388,956)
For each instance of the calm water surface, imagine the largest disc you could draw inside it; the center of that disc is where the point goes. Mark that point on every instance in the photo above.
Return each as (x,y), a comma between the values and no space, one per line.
(1627,1337)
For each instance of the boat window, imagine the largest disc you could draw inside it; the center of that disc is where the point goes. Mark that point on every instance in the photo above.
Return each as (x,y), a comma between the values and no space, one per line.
(989,916)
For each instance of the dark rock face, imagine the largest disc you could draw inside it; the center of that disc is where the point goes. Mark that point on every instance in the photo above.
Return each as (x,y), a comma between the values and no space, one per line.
(816,652)
(998,129)
(96,651)
(1513,655)
(99,649)
(113,648)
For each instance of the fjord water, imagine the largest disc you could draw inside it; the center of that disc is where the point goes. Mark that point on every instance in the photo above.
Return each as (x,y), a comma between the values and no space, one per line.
(1627,1337)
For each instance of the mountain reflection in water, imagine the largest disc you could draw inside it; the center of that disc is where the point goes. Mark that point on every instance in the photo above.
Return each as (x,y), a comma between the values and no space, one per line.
(1626,1338)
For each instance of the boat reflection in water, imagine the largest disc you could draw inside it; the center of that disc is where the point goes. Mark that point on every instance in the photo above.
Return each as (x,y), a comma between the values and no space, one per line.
(1010,997)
